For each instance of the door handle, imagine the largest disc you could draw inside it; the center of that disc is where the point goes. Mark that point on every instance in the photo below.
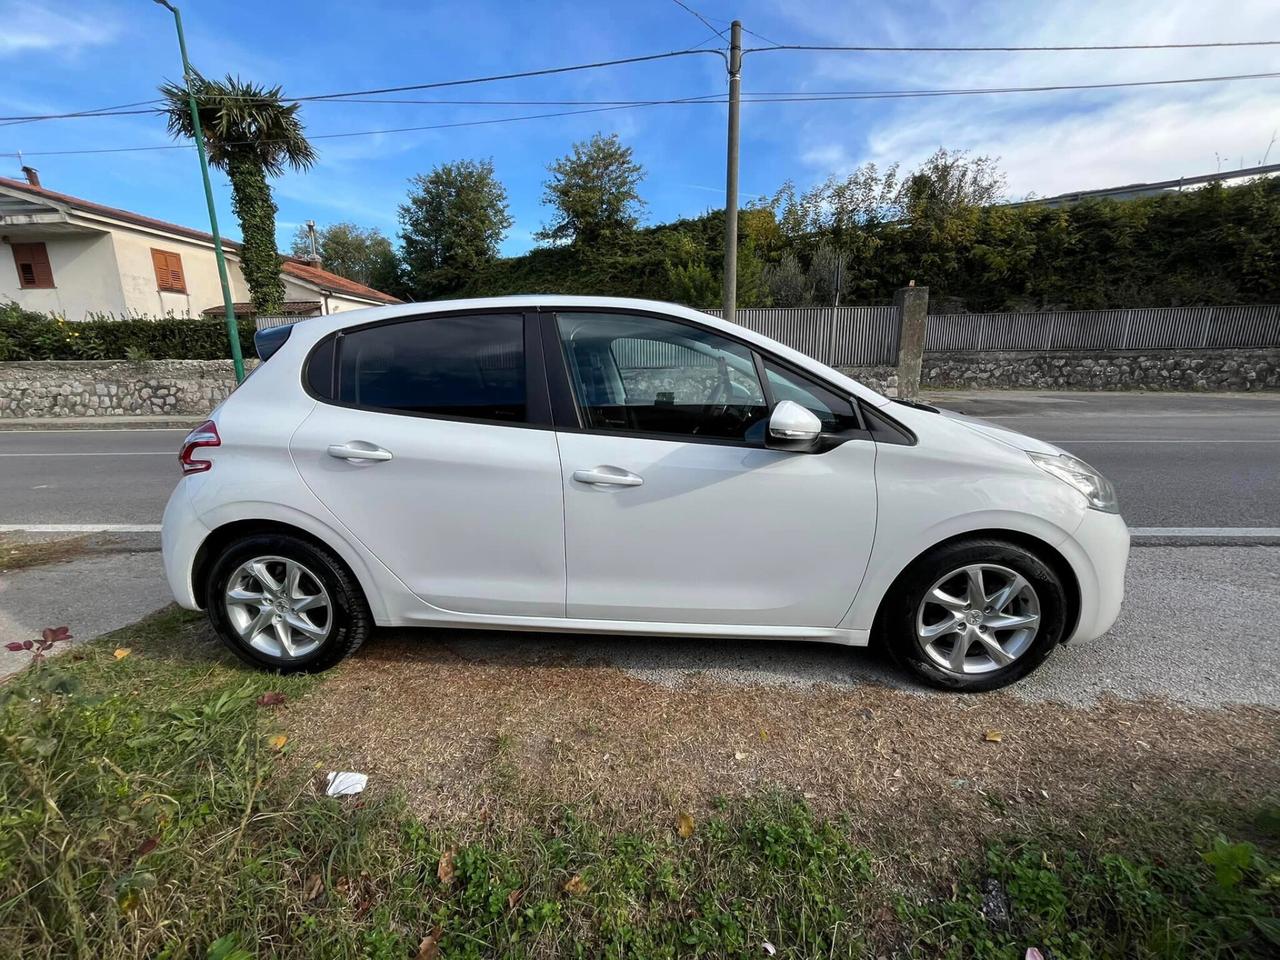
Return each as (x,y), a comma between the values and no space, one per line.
(358,450)
(608,476)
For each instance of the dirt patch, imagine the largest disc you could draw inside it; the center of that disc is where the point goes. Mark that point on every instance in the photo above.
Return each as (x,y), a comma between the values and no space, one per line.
(471,736)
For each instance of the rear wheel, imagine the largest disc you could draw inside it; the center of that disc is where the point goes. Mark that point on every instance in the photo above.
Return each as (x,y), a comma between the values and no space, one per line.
(975,615)
(285,604)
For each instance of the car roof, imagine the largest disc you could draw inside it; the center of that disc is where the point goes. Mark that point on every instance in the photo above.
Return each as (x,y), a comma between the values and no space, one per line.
(314,328)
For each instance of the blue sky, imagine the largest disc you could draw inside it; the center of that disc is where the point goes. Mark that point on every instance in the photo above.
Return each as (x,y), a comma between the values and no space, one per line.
(94,53)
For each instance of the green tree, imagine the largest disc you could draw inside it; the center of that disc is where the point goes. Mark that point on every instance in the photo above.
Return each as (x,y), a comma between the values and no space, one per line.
(251,134)
(593,193)
(451,225)
(357,253)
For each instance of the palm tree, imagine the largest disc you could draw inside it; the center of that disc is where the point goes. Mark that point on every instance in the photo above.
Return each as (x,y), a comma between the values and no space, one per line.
(251,134)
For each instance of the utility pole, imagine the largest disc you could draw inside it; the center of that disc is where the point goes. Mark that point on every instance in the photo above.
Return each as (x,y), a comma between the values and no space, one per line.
(731,177)
(233,332)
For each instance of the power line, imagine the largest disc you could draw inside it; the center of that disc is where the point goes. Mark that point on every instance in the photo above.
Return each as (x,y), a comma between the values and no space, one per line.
(809,96)
(1041,49)
(365,133)
(761,97)
(435,85)
(121,109)
(705,22)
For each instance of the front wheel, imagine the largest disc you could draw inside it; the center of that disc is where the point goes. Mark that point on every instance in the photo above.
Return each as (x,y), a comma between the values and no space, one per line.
(282,603)
(975,615)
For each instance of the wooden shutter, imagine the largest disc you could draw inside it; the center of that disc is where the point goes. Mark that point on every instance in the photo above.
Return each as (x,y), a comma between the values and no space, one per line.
(168,271)
(32,261)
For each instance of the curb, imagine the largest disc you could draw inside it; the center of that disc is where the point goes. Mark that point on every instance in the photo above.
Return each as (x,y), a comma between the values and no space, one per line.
(16,424)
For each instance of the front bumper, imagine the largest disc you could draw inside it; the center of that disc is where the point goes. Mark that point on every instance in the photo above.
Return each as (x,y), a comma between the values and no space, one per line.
(181,534)
(1098,551)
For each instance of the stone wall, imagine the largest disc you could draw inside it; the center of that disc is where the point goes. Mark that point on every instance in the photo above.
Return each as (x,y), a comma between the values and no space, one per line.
(1233,369)
(104,388)
(98,388)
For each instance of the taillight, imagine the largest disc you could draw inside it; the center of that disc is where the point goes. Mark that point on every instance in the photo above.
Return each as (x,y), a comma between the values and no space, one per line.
(205,435)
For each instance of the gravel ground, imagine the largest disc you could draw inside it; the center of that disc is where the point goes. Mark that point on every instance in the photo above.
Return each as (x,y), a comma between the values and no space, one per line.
(1197,627)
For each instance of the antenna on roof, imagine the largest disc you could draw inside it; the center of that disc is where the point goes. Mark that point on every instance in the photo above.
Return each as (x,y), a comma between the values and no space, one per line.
(314,259)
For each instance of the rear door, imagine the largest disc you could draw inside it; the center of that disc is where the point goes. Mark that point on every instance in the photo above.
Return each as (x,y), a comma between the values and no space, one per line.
(675,510)
(432,444)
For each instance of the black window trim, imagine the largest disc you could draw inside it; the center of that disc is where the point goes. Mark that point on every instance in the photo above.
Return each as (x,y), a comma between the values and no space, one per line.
(538,408)
(568,412)
(556,404)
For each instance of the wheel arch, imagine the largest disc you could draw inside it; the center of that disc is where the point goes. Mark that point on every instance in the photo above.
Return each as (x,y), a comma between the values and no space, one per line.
(228,533)
(1047,553)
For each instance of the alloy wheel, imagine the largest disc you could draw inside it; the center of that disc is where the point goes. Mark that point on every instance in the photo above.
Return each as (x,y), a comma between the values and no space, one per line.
(278,607)
(978,618)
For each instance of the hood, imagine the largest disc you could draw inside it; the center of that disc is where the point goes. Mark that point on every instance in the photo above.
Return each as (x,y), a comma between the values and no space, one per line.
(1019,441)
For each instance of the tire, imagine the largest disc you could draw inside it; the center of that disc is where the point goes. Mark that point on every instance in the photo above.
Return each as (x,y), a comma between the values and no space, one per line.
(323,610)
(921,634)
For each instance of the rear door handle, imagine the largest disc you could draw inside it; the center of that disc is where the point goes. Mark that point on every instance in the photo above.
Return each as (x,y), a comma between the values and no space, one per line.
(358,450)
(608,476)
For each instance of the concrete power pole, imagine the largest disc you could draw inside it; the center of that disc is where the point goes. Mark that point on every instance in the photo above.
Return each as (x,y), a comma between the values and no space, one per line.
(731,177)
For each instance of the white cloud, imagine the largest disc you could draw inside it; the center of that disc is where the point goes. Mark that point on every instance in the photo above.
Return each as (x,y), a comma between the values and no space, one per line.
(1047,142)
(33,29)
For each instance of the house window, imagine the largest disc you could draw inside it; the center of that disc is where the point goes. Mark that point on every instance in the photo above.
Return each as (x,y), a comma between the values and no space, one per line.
(169,271)
(32,260)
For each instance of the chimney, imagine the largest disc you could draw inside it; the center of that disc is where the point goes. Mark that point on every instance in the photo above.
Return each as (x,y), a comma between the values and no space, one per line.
(33,176)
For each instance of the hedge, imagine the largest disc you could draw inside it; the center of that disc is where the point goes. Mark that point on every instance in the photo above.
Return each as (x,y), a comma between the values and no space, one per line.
(25,335)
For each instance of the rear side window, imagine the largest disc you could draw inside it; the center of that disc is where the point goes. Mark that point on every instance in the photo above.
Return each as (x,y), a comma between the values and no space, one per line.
(471,367)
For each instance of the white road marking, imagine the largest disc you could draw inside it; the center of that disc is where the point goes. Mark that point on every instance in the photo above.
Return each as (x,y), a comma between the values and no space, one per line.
(17,431)
(1147,440)
(79,528)
(114,453)
(1205,532)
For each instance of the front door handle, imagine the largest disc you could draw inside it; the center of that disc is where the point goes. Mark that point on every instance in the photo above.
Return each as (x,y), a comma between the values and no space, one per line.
(358,450)
(608,476)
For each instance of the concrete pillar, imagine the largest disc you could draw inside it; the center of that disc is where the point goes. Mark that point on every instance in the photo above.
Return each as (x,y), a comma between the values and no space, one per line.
(913,305)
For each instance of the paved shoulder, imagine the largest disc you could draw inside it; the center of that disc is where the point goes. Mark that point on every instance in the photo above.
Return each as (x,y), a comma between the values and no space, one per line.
(93,595)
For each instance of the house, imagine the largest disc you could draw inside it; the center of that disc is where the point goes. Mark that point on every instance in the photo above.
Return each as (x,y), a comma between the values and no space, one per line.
(65,255)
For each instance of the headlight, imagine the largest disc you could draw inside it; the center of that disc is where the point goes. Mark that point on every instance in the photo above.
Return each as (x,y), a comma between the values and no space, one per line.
(1074,472)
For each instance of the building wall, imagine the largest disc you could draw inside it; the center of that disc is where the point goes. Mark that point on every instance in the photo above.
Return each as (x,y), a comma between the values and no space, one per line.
(199,267)
(85,277)
(111,272)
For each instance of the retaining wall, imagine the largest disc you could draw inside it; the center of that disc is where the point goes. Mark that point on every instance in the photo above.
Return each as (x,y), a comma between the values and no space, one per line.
(96,388)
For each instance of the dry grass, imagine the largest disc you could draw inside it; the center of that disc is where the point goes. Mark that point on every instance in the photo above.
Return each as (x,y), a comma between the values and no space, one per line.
(19,553)
(470,737)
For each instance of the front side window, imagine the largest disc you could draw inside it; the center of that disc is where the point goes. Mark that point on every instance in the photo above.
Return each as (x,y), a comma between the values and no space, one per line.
(470,367)
(835,412)
(653,376)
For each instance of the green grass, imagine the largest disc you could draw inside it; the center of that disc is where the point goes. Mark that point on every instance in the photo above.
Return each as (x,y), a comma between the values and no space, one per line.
(145,813)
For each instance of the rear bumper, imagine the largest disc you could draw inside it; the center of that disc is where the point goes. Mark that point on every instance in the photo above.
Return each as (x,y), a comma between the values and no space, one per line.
(1098,551)
(181,534)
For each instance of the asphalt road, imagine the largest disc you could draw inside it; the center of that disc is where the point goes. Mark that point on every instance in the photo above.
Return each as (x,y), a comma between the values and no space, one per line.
(1178,460)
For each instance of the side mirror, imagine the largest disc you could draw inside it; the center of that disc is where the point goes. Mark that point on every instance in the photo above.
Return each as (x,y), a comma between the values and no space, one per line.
(792,427)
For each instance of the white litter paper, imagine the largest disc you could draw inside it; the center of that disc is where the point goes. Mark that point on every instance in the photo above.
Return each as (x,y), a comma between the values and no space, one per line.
(344,783)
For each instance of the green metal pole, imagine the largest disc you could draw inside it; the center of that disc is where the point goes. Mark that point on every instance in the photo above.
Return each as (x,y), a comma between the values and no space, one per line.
(233,331)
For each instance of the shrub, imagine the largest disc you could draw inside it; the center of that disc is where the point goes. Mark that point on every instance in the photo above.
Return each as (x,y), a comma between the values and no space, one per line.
(26,335)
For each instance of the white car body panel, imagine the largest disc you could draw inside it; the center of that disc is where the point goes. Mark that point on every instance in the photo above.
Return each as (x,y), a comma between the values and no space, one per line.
(703,539)
(469,515)
(476,525)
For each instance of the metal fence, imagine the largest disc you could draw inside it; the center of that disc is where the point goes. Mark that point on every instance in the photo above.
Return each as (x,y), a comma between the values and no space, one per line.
(840,337)
(264,323)
(1150,328)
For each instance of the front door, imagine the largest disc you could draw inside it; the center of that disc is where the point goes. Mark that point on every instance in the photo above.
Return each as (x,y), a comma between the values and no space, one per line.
(675,511)
(429,451)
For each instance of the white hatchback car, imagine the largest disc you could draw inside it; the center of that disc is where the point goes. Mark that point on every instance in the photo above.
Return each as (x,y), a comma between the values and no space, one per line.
(623,467)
